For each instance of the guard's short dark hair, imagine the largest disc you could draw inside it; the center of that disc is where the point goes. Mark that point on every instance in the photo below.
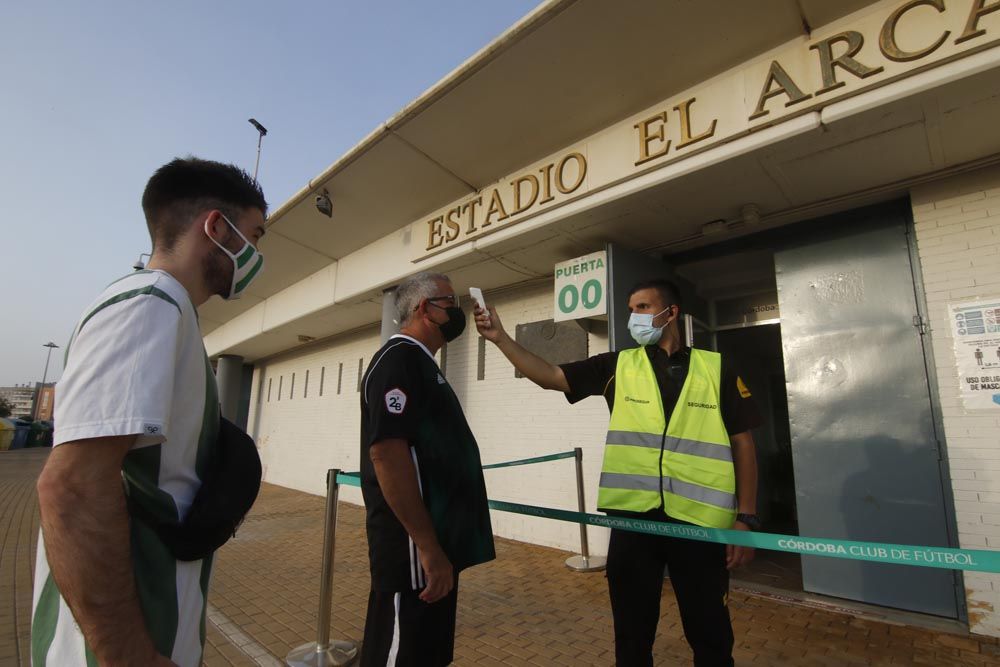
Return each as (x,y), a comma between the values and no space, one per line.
(668,291)
(184,187)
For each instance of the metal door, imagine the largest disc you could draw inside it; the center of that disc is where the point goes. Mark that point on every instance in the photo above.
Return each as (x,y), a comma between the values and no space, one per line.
(865,454)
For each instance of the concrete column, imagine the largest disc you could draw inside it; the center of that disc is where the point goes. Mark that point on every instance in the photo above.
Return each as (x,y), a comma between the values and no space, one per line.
(390,327)
(229,377)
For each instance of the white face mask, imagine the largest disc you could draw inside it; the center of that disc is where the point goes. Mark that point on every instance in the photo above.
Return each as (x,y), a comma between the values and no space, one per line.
(640,325)
(247,263)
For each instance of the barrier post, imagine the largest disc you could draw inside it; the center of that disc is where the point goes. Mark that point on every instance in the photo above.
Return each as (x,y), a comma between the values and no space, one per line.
(324,652)
(584,562)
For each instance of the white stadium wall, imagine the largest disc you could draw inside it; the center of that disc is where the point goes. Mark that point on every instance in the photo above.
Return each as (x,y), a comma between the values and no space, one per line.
(300,437)
(957,223)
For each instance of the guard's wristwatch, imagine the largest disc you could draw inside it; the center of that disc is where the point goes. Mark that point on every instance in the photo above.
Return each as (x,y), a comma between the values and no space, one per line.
(752,521)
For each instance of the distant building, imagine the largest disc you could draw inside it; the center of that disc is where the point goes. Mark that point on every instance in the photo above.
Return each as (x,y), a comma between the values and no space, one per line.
(21,398)
(46,402)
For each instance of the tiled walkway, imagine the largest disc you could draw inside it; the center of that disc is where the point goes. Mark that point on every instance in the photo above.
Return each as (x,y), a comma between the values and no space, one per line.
(524,609)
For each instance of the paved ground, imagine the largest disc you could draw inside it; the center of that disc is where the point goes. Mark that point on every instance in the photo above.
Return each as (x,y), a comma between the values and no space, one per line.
(524,609)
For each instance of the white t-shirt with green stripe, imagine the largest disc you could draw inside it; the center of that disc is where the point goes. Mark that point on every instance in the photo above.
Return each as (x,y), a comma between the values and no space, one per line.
(136,365)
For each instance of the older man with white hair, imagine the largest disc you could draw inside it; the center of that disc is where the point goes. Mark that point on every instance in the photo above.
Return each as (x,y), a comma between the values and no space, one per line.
(421,475)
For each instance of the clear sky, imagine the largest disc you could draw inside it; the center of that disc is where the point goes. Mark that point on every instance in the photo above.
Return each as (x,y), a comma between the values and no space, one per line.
(94,96)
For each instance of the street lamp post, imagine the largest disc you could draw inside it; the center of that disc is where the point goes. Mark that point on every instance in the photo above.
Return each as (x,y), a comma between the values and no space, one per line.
(261,131)
(45,376)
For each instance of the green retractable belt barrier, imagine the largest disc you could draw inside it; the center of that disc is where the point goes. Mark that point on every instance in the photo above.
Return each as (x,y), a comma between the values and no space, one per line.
(537,459)
(975,560)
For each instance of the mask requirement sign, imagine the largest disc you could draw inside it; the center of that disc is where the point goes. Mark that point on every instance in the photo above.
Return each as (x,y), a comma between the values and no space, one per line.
(976,331)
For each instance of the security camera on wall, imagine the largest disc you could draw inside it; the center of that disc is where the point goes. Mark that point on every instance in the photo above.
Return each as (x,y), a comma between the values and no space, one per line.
(324,205)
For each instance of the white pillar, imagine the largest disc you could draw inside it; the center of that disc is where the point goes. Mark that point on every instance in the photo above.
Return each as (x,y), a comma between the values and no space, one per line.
(390,326)
(229,377)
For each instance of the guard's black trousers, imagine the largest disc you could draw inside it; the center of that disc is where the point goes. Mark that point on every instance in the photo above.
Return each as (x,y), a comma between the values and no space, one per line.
(701,583)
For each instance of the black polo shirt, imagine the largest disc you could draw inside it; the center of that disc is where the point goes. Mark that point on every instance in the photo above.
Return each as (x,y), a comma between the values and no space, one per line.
(405,396)
(596,377)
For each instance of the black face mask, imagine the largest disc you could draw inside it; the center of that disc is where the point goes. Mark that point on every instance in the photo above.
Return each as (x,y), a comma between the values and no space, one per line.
(455,325)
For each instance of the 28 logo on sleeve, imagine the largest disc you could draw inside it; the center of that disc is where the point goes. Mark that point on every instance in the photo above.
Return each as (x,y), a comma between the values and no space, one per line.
(395,401)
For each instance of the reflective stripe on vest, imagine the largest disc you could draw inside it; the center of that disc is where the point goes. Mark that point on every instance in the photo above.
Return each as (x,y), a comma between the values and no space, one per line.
(687,465)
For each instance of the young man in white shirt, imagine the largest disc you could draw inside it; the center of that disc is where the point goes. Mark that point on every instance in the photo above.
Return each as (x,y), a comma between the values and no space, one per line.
(137,412)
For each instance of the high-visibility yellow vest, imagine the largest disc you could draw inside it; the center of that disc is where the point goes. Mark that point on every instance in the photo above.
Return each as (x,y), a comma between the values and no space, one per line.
(687,464)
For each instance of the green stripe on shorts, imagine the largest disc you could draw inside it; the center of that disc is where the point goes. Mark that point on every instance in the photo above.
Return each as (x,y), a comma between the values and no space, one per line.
(43,625)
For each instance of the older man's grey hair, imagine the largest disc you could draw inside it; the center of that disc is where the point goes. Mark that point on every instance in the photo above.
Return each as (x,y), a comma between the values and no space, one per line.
(414,289)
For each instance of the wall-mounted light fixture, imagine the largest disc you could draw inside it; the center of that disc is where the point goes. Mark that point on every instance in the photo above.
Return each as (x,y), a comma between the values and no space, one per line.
(323,204)
(139,264)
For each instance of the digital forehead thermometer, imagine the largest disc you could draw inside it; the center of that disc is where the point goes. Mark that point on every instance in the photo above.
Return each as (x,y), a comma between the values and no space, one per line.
(477,294)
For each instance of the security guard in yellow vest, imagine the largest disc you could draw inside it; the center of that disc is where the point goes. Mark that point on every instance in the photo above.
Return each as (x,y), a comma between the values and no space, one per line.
(678,449)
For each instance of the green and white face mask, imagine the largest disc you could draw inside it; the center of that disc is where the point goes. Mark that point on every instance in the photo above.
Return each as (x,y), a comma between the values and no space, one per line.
(247,263)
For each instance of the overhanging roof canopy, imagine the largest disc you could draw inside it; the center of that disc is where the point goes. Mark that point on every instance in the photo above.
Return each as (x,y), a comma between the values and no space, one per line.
(844,153)
(569,68)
